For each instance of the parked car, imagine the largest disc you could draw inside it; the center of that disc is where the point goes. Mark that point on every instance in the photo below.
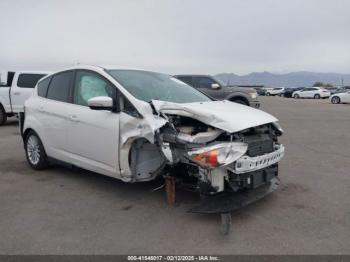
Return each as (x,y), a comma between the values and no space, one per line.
(219,90)
(312,92)
(136,125)
(15,91)
(261,91)
(340,98)
(290,90)
(276,91)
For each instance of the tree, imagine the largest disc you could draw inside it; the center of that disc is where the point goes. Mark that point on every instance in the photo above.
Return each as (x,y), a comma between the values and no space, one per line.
(321,84)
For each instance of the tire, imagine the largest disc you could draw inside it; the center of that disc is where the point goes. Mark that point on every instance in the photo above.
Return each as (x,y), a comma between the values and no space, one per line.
(335,100)
(317,96)
(296,96)
(240,101)
(3,116)
(267,94)
(35,152)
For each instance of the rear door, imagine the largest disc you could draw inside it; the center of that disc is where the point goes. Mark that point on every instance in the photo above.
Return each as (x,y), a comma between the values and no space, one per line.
(93,135)
(22,88)
(53,110)
(346,97)
(306,92)
(313,91)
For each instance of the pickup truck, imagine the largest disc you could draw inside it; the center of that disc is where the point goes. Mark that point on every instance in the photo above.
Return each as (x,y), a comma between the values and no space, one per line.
(218,90)
(15,91)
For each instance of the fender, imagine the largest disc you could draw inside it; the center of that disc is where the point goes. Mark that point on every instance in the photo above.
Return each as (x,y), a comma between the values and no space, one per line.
(239,95)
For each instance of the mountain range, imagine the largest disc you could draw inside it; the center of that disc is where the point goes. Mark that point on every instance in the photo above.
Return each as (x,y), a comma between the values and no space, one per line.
(293,79)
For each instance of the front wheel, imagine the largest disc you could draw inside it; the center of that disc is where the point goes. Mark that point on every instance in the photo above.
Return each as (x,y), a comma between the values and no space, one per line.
(317,96)
(335,100)
(268,94)
(296,96)
(3,116)
(35,152)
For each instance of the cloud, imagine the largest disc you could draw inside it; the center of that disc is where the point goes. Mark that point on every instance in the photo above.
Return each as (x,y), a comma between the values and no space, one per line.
(177,36)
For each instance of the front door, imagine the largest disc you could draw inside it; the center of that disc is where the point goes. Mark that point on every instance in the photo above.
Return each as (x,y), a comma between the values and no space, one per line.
(93,135)
(203,83)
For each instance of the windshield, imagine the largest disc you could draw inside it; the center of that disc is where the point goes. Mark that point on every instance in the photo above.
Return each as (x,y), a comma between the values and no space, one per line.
(148,86)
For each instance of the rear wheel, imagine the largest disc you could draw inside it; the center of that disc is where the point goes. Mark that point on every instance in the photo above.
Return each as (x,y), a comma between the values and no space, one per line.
(317,96)
(335,100)
(35,152)
(296,96)
(3,116)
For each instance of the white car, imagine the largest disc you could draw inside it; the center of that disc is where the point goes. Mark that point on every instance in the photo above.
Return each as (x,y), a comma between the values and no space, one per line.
(340,98)
(16,90)
(312,92)
(274,91)
(137,125)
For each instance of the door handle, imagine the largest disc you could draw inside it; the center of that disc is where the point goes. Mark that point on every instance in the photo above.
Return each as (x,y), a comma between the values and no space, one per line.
(74,118)
(16,93)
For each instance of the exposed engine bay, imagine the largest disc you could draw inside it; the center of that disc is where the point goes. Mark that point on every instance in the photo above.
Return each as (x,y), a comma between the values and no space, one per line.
(225,152)
(206,159)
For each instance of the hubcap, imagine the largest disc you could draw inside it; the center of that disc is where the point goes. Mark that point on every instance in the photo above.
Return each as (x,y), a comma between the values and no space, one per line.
(33,150)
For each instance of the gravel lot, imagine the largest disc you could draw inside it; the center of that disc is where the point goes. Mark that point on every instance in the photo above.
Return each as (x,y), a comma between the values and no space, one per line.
(66,211)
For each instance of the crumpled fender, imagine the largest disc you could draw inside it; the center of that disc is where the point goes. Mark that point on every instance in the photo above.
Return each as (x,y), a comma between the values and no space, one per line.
(131,128)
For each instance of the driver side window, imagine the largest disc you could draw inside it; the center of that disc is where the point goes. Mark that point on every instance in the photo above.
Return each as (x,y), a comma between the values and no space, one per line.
(205,82)
(88,85)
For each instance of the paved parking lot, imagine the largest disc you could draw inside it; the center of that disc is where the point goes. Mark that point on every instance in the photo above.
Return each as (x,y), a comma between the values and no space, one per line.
(65,211)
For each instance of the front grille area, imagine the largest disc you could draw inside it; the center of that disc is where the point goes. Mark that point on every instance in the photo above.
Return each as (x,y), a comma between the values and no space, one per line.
(258,144)
(253,179)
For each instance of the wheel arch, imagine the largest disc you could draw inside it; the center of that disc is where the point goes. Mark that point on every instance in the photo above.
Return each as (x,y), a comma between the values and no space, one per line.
(239,97)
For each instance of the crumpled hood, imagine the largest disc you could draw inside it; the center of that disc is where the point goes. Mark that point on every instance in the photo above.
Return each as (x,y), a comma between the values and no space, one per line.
(228,116)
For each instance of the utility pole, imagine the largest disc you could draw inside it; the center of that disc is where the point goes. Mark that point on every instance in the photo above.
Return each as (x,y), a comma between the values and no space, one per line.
(342,82)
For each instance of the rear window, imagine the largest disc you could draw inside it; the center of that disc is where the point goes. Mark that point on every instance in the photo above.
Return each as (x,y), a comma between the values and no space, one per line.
(60,86)
(28,80)
(42,87)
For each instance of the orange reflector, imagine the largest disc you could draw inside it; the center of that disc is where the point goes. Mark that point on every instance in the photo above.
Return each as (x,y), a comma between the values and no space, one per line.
(208,158)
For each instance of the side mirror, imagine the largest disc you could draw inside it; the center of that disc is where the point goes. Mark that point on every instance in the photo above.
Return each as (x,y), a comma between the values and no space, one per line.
(215,86)
(101,103)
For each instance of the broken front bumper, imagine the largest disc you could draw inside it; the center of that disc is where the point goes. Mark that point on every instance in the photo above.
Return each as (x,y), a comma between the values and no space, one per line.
(248,164)
(228,202)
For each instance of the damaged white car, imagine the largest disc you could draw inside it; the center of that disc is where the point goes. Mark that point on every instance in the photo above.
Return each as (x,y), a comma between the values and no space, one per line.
(137,125)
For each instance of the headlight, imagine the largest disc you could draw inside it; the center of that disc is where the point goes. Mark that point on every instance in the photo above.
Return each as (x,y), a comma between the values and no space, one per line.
(253,95)
(218,155)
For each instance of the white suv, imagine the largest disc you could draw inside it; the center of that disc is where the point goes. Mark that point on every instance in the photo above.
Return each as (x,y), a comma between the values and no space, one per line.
(312,92)
(136,125)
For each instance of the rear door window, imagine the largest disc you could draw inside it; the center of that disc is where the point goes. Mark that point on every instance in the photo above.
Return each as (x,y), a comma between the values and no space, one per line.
(43,86)
(28,80)
(59,88)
